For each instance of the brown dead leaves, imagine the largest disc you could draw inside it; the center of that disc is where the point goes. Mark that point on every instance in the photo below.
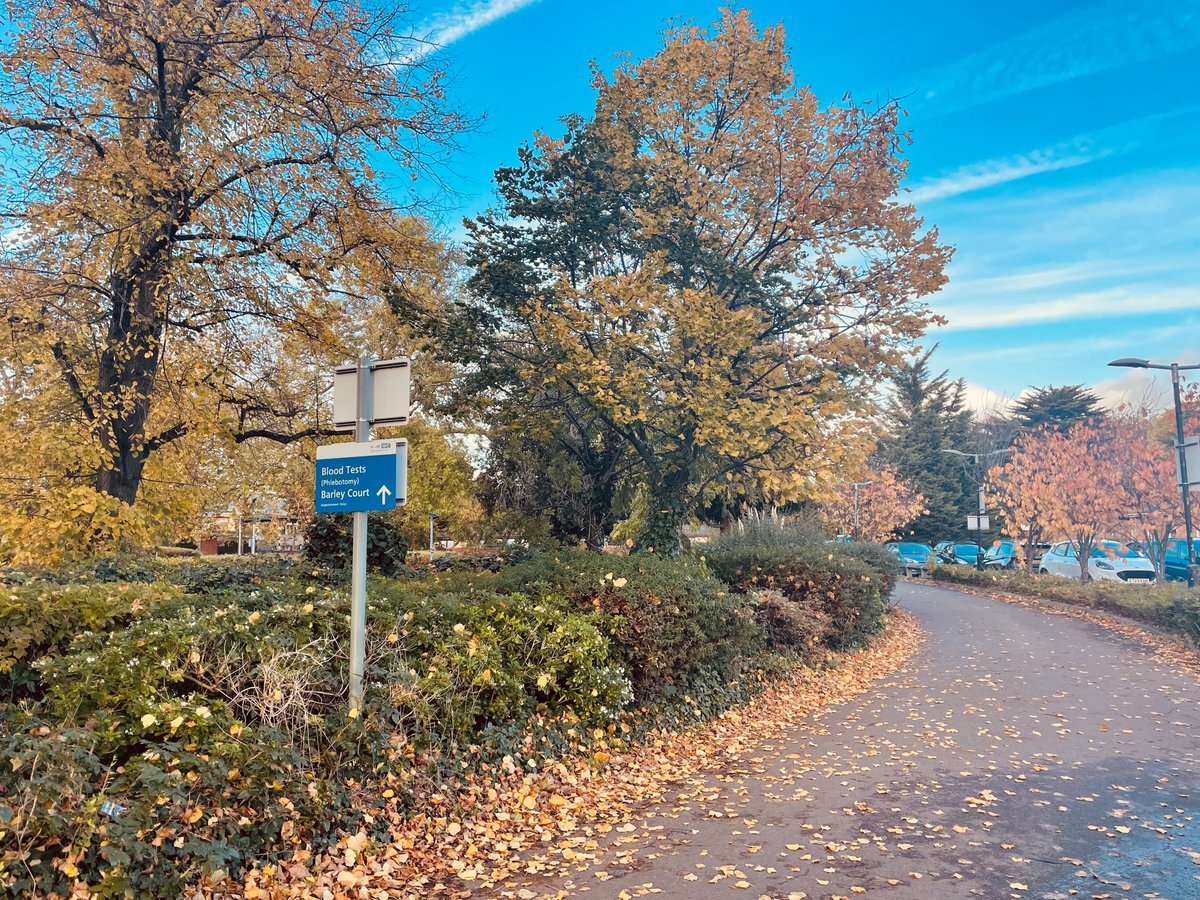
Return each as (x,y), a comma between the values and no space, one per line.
(569,814)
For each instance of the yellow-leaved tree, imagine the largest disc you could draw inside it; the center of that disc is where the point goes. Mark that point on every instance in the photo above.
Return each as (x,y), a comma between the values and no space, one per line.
(191,197)
(713,271)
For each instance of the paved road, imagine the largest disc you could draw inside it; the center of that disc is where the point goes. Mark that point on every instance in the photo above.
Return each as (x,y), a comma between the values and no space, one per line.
(1017,754)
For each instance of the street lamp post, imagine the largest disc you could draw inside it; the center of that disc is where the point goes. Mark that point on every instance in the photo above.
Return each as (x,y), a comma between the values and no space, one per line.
(432,518)
(1193,577)
(982,500)
(856,485)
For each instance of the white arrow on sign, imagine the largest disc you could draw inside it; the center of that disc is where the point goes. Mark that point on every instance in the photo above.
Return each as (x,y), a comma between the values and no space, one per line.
(382,493)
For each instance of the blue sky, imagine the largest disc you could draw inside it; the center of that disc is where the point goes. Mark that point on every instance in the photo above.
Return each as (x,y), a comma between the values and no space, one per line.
(1057,146)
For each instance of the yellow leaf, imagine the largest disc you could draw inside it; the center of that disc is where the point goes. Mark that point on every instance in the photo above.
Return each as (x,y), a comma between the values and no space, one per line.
(148,719)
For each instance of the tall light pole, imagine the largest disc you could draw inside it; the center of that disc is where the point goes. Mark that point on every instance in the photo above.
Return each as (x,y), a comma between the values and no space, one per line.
(856,485)
(432,518)
(982,500)
(1193,577)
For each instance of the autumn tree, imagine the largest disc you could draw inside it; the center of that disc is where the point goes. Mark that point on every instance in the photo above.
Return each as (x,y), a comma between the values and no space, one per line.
(1151,507)
(1024,489)
(882,507)
(1062,483)
(190,185)
(713,266)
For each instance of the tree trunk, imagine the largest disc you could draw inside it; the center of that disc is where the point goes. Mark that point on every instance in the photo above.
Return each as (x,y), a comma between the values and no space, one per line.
(666,513)
(126,373)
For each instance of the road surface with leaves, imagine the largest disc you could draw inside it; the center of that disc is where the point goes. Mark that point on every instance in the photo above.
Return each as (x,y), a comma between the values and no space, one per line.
(1016,754)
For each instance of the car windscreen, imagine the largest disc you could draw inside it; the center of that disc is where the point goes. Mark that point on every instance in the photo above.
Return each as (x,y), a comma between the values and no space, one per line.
(917,549)
(1113,549)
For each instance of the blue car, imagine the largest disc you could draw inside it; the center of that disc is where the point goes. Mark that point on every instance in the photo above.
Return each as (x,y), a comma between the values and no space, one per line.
(1175,558)
(915,559)
(950,552)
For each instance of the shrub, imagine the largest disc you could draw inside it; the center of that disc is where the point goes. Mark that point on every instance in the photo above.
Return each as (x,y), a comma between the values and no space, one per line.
(210,575)
(852,594)
(676,624)
(329,541)
(40,618)
(140,804)
(1182,615)
(791,627)
(234,705)
(1170,606)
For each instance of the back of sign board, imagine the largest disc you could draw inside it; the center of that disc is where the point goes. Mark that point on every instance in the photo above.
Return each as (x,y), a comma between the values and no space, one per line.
(390,386)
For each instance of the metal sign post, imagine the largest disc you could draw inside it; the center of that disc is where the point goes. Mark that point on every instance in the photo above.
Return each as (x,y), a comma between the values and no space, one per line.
(362,476)
(358,566)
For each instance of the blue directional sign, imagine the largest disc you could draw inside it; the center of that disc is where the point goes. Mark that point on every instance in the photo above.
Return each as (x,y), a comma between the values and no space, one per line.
(362,477)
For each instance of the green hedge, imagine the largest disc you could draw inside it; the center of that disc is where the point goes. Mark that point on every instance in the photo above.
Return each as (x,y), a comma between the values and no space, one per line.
(1169,606)
(38,619)
(677,626)
(233,703)
(210,706)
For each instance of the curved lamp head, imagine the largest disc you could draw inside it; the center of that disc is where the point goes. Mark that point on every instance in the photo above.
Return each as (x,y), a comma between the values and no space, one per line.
(1130,362)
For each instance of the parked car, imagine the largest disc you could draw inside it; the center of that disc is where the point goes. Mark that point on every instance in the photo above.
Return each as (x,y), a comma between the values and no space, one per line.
(1175,558)
(1110,561)
(916,559)
(951,552)
(1002,555)
(1010,555)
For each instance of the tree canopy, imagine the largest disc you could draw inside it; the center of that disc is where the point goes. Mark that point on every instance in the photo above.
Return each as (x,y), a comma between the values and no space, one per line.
(189,194)
(706,278)
(1056,407)
(925,415)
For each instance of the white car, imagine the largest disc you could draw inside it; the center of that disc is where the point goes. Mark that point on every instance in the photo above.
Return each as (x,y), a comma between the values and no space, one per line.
(1110,561)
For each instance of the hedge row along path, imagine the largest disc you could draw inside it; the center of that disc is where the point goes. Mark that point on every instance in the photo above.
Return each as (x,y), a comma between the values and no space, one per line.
(1018,754)
(552,824)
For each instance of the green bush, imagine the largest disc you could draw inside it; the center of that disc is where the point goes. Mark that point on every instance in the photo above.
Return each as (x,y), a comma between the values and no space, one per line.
(234,703)
(329,541)
(41,618)
(141,804)
(676,624)
(1170,606)
(205,575)
(210,713)
(1182,615)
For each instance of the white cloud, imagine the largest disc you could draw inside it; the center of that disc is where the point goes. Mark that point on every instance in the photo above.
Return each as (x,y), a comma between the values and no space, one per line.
(985,402)
(1135,388)
(1111,303)
(446,28)
(995,171)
